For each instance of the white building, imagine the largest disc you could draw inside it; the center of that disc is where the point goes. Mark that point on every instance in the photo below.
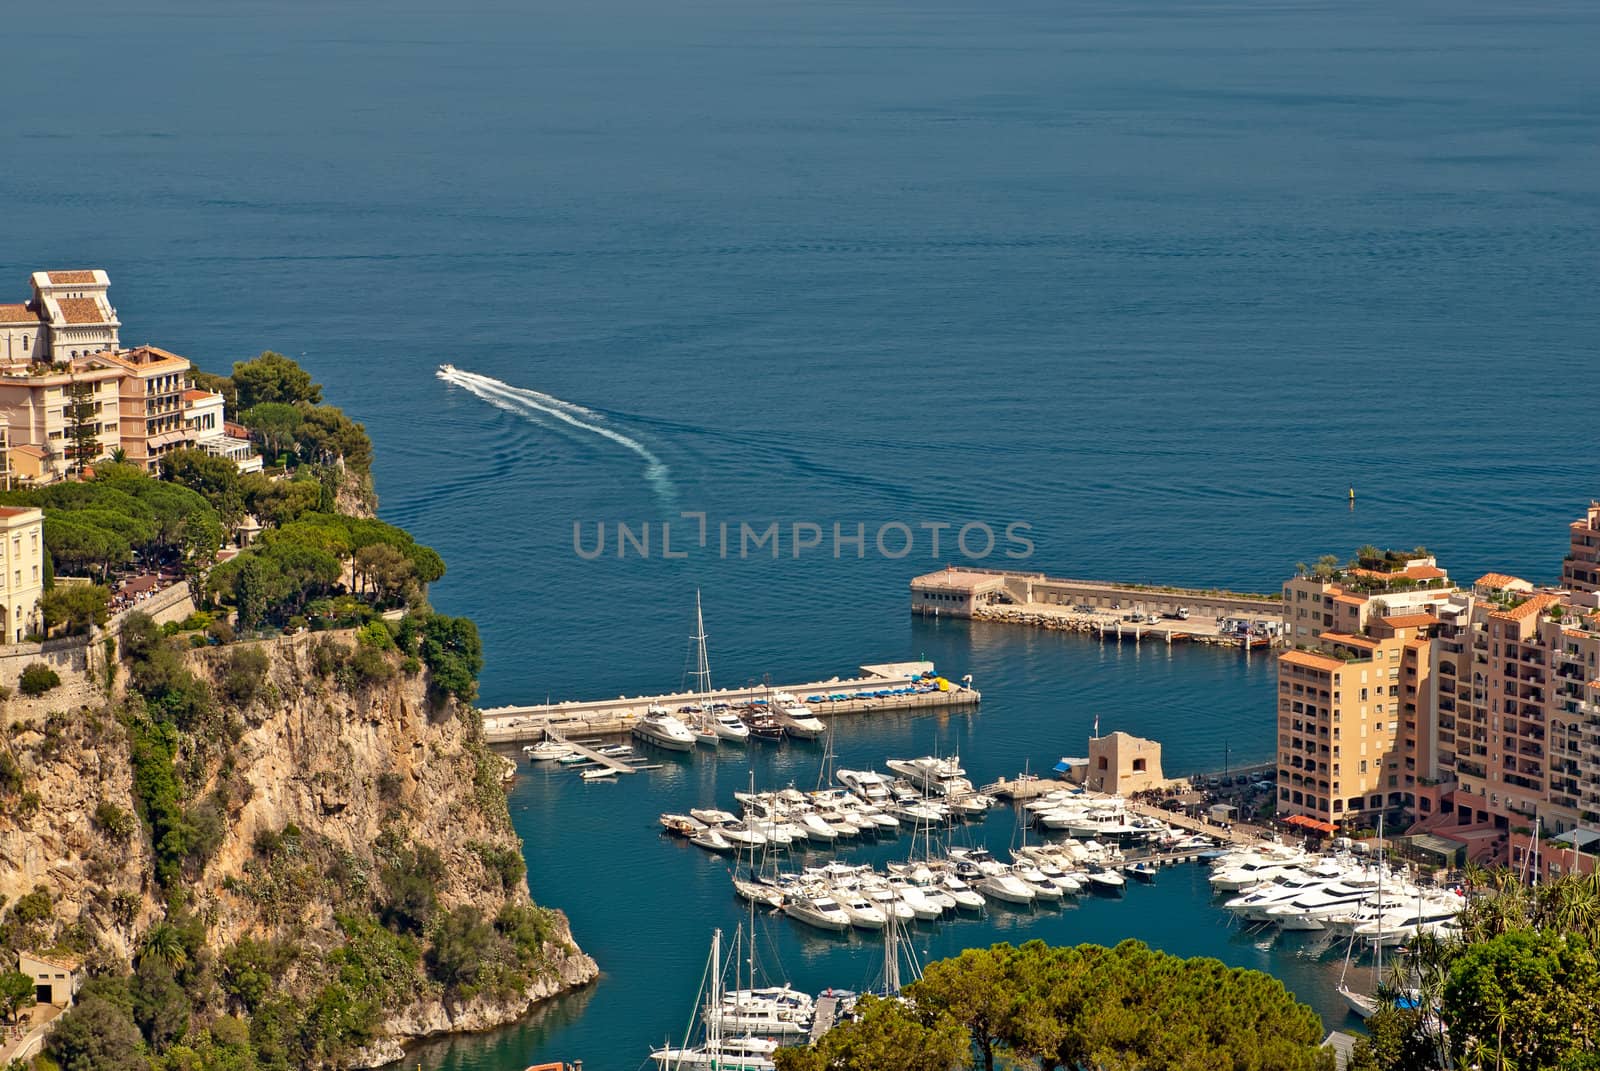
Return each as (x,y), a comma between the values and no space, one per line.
(203,412)
(21,571)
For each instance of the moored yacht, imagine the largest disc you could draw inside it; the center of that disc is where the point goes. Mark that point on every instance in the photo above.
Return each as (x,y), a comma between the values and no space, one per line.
(664,730)
(817,911)
(795,717)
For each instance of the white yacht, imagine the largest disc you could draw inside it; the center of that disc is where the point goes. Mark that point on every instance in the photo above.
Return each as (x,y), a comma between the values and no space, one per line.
(718,1052)
(1005,887)
(868,784)
(817,911)
(664,730)
(795,717)
(1253,869)
(941,777)
(1031,876)
(767,1012)
(1105,879)
(863,913)
(728,727)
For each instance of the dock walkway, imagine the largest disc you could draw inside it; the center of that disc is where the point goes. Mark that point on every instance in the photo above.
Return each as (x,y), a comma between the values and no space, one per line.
(856,695)
(611,763)
(823,1017)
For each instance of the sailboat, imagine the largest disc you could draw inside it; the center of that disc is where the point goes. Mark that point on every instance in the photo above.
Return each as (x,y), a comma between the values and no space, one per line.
(717,1053)
(1364,1004)
(709,726)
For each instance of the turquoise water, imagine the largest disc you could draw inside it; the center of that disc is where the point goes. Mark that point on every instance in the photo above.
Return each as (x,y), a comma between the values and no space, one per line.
(1162,280)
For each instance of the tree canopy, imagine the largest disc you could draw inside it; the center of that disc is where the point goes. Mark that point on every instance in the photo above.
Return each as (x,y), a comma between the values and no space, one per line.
(272,377)
(1088,1008)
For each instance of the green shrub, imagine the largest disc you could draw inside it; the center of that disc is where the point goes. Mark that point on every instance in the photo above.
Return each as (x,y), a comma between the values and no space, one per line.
(244,671)
(117,823)
(10,775)
(503,862)
(37,679)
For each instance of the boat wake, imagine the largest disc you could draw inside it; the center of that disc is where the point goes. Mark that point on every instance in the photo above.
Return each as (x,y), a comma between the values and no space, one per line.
(534,405)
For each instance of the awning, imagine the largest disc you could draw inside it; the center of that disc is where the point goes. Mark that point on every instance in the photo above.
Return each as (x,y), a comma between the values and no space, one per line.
(167,438)
(1307,822)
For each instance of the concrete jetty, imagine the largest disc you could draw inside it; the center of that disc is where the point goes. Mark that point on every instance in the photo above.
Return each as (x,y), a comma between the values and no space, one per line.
(866,693)
(1134,613)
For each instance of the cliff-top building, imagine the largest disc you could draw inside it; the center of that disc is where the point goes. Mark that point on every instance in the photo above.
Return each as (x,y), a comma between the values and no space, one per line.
(70,395)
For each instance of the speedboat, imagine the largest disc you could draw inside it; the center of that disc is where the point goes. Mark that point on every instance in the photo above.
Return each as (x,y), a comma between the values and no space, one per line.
(664,730)
(961,893)
(1145,872)
(863,915)
(1005,887)
(1105,879)
(758,892)
(604,773)
(817,911)
(1043,888)
(446,370)
(712,840)
(728,727)
(681,825)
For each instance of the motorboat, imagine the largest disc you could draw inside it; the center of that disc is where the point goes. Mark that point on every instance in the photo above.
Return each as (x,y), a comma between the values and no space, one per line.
(712,840)
(718,1052)
(819,912)
(758,892)
(816,829)
(796,719)
(1145,872)
(682,825)
(704,732)
(940,777)
(1005,887)
(867,784)
(1105,879)
(728,727)
(962,893)
(603,773)
(1253,869)
(863,913)
(1030,875)
(889,902)
(664,730)
(921,905)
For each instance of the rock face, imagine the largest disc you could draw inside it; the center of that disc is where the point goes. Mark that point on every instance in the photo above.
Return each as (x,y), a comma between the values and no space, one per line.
(344,772)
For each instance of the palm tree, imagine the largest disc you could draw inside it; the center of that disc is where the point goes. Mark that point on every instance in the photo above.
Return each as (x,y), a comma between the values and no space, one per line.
(164,944)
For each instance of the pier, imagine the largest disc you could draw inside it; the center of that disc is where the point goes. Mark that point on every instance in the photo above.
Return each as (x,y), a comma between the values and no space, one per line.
(856,695)
(1132,613)
(610,762)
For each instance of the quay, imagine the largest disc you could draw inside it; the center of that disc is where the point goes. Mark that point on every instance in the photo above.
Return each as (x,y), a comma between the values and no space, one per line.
(1103,608)
(856,695)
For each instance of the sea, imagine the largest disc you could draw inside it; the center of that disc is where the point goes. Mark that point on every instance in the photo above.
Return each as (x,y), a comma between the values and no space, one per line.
(1141,290)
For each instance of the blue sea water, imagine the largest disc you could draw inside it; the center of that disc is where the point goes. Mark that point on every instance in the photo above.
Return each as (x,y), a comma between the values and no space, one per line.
(1161,280)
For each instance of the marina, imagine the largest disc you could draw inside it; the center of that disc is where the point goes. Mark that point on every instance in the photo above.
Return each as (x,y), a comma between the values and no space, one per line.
(885,687)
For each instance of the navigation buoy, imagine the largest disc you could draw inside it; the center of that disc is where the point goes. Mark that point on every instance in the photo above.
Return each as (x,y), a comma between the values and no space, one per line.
(1352,494)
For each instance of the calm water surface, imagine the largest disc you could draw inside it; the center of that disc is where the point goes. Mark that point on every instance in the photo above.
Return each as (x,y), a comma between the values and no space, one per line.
(1160,279)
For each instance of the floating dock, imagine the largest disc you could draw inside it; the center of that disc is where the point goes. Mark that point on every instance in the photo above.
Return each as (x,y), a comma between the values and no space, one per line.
(867,693)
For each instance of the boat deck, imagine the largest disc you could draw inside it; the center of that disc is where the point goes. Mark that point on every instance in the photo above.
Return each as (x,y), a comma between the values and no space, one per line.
(823,1017)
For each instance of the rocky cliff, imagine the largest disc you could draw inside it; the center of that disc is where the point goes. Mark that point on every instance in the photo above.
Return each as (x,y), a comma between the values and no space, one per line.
(321,789)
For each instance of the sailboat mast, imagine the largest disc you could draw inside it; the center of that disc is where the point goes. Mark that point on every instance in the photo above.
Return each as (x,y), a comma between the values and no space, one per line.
(714,1021)
(891,956)
(702,668)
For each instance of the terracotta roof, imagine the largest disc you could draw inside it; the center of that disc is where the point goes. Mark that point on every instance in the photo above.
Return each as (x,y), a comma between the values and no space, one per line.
(956,580)
(199,395)
(16,511)
(65,960)
(1524,610)
(1425,572)
(17,314)
(30,450)
(1311,660)
(143,358)
(80,310)
(1411,621)
(1350,600)
(1351,638)
(71,278)
(1497,580)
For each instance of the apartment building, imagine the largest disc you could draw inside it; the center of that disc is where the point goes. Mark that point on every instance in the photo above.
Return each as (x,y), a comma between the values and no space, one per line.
(1581,570)
(1473,711)
(21,571)
(1356,695)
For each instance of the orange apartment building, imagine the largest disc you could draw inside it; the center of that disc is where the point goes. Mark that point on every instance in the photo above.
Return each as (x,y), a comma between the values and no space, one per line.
(1472,713)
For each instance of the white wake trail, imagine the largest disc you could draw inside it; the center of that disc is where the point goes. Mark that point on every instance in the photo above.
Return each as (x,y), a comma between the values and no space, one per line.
(526,403)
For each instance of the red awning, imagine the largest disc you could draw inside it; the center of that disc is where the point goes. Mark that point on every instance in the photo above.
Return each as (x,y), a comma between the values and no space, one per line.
(1311,823)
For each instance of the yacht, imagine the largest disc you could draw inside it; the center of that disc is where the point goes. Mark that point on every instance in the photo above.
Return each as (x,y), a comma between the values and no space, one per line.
(941,777)
(1031,876)
(1005,887)
(1253,869)
(863,914)
(959,891)
(728,727)
(921,905)
(795,717)
(727,1054)
(712,840)
(1424,915)
(768,1012)
(867,784)
(817,911)
(681,825)
(664,730)
(1105,879)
